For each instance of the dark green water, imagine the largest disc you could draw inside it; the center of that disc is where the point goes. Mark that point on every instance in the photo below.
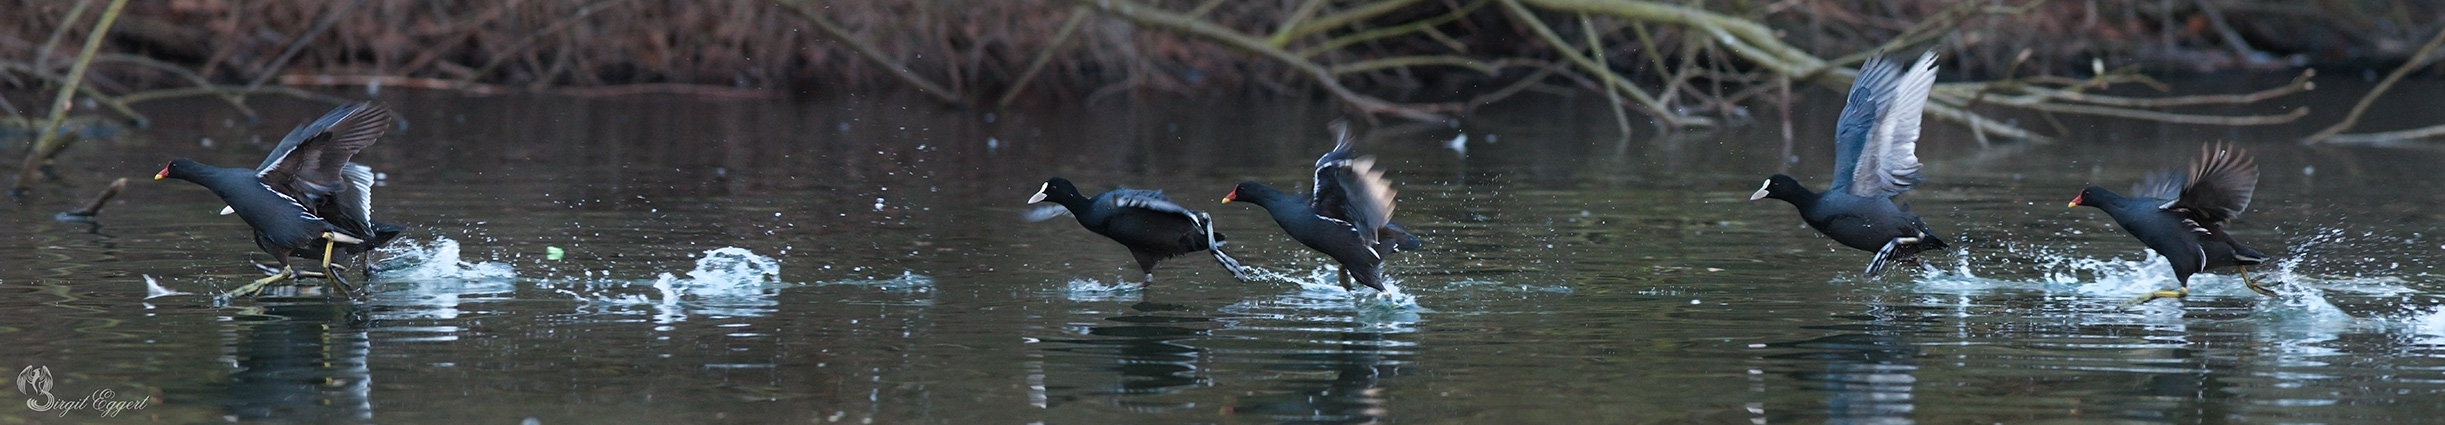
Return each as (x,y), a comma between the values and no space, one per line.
(862,260)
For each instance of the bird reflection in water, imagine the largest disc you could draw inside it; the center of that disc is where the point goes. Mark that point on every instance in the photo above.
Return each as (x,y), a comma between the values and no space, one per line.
(301,362)
(1148,353)
(1868,373)
(1338,385)
(1160,350)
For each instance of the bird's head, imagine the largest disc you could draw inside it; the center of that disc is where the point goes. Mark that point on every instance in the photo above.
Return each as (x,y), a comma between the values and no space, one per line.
(1053,187)
(1779,187)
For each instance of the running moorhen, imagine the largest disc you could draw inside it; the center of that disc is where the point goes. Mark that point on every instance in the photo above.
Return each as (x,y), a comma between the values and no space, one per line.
(1349,217)
(1875,158)
(1148,223)
(306,200)
(2182,215)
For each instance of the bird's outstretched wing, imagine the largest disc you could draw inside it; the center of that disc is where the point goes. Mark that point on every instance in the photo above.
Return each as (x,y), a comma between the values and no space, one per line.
(309,163)
(1351,189)
(2220,184)
(1876,141)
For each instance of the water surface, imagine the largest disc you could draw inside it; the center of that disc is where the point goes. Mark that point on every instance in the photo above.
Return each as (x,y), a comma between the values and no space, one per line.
(862,259)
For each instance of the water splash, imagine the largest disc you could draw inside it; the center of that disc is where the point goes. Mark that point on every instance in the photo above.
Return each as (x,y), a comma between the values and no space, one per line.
(1323,284)
(153,289)
(1319,291)
(410,261)
(2302,305)
(1091,290)
(726,282)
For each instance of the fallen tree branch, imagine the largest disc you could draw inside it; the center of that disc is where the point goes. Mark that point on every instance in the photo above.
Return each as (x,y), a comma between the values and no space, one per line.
(1487,67)
(1146,15)
(2299,84)
(1609,81)
(2168,117)
(2426,53)
(482,89)
(1317,25)
(872,53)
(44,143)
(1078,14)
(1423,25)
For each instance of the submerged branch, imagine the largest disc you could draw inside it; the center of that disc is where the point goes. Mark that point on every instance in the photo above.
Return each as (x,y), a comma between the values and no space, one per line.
(93,206)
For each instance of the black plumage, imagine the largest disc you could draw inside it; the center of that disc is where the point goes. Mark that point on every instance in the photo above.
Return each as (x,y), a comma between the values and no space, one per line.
(1875,159)
(306,199)
(2181,215)
(1348,218)
(1149,224)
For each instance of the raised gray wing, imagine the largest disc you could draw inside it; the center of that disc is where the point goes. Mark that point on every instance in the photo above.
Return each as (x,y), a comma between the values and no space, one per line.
(2165,185)
(308,163)
(1366,197)
(1888,159)
(1147,199)
(1154,200)
(351,209)
(1327,187)
(2221,182)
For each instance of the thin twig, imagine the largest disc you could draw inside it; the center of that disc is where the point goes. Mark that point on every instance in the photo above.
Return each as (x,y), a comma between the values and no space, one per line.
(42,57)
(1147,15)
(1306,10)
(2167,117)
(282,61)
(1078,14)
(531,38)
(1621,118)
(2426,53)
(872,53)
(45,144)
(2299,84)
(1347,17)
(1610,80)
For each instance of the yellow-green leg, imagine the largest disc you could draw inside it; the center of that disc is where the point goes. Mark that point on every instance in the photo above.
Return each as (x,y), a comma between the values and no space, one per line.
(2152,296)
(331,242)
(1343,276)
(2254,286)
(285,274)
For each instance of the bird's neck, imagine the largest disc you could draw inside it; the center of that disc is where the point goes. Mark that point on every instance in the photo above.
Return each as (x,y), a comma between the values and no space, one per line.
(1284,207)
(1078,204)
(1800,196)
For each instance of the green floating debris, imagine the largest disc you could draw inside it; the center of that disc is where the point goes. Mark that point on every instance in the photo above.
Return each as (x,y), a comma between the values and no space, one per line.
(553,253)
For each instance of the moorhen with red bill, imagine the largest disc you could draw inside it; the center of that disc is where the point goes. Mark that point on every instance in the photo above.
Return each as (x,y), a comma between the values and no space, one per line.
(2182,215)
(1348,218)
(306,199)
(1875,158)
(1149,224)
